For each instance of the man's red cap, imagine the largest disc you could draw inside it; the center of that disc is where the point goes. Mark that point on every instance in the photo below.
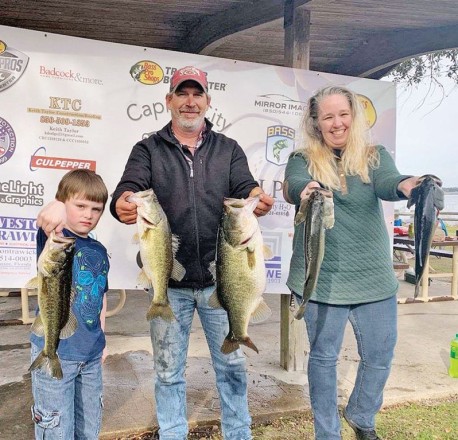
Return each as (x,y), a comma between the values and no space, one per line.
(189,73)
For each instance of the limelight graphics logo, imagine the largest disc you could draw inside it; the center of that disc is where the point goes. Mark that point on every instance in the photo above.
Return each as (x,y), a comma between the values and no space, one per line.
(147,72)
(16,192)
(273,240)
(12,65)
(279,144)
(59,163)
(7,141)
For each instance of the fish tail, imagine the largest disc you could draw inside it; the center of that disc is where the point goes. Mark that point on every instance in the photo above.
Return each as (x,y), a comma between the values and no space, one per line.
(300,311)
(163,311)
(229,345)
(48,364)
(249,343)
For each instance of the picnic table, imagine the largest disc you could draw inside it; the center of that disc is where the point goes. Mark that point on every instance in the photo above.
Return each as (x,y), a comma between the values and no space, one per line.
(406,244)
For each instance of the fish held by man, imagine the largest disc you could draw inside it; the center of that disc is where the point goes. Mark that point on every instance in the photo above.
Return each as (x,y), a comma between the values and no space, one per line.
(55,297)
(428,198)
(239,271)
(317,214)
(158,247)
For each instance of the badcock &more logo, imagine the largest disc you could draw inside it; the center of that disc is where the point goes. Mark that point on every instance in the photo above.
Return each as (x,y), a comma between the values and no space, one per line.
(7,141)
(12,65)
(59,163)
(279,144)
(147,72)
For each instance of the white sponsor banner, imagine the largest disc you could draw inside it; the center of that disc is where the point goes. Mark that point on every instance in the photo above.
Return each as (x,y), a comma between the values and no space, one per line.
(69,103)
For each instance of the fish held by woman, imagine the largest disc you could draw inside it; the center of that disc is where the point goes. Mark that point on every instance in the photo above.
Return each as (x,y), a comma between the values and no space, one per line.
(158,247)
(240,271)
(317,212)
(428,198)
(55,297)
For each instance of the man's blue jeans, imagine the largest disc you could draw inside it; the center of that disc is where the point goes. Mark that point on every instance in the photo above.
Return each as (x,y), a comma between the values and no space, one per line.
(71,407)
(375,328)
(170,347)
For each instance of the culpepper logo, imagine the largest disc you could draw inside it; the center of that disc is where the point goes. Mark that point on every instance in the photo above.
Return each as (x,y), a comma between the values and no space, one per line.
(279,144)
(12,65)
(147,72)
(40,160)
(7,141)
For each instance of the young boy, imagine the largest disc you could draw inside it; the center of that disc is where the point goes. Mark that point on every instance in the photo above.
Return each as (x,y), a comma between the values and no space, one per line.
(71,407)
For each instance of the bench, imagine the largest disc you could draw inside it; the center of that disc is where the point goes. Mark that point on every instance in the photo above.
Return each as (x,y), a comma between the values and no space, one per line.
(433,252)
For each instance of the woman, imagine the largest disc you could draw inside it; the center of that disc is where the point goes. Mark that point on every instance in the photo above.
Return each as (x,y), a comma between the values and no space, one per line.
(356,281)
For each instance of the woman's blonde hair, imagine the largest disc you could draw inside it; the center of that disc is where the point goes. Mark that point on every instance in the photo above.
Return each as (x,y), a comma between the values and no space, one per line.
(82,183)
(357,157)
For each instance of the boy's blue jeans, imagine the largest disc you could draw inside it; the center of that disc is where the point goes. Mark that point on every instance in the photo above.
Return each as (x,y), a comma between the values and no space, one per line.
(375,328)
(69,408)
(170,348)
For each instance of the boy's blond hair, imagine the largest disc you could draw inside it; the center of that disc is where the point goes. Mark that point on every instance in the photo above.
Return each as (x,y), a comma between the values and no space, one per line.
(85,184)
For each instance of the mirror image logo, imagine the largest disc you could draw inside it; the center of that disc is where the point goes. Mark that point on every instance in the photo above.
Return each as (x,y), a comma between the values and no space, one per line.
(12,65)
(147,72)
(7,141)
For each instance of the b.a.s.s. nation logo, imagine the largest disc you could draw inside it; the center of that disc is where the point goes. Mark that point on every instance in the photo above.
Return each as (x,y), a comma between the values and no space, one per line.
(12,65)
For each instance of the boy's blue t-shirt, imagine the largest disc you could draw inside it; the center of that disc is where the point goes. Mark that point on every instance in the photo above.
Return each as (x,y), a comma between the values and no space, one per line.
(90,282)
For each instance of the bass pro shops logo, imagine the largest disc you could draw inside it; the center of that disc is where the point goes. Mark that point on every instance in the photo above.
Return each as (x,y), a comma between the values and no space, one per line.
(279,144)
(147,72)
(12,65)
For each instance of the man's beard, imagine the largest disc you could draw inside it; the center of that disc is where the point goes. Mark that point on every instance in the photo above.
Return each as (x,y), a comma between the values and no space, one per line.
(190,124)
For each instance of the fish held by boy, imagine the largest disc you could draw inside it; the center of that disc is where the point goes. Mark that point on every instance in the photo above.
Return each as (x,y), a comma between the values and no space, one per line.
(55,297)
(239,271)
(317,212)
(158,247)
(428,198)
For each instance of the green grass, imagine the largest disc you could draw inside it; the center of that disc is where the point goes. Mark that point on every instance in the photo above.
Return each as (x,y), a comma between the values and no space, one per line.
(422,420)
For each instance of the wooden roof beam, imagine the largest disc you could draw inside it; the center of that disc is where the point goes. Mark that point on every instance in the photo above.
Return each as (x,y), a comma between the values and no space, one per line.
(384,50)
(208,33)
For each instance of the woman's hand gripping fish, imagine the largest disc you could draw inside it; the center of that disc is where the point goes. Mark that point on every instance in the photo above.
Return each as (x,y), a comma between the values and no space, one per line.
(317,212)
(158,248)
(55,297)
(428,198)
(240,271)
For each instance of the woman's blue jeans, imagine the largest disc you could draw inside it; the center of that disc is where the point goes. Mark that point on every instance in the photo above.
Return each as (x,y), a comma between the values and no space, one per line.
(71,407)
(170,342)
(375,328)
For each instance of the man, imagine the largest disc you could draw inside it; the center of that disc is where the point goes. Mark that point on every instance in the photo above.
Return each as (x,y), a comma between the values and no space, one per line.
(191,169)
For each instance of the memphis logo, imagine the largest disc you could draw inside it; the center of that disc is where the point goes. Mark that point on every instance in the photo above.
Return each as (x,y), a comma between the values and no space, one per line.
(12,65)
(147,72)
(279,144)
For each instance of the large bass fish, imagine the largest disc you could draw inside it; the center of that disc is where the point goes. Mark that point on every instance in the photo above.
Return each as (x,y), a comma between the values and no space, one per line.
(428,198)
(240,271)
(157,251)
(317,211)
(55,296)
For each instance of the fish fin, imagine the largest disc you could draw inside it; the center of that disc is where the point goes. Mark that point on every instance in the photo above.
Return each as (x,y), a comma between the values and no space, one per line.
(175,244)
(249,343)
(439,197)
(163,311)
(70,328)
(178,271)
(229,345)
(38,327)
(136,238)
(50,365)
(268,253)
(417,290)
(32,283)
(251,259)
(214,302)
(212,269)
(261,313)
(143,280)
(414,194)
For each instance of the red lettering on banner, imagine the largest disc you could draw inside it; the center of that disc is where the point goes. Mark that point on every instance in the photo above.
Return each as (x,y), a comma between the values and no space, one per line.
(62,163)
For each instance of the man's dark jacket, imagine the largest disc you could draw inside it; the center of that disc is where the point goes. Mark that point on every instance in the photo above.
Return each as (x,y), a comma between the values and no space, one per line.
(191,197)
